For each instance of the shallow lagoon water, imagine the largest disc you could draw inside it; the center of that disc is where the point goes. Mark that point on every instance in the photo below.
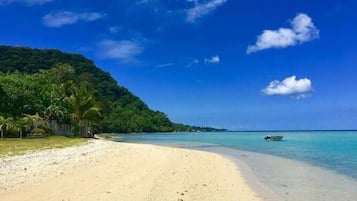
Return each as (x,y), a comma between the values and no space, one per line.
(315,166)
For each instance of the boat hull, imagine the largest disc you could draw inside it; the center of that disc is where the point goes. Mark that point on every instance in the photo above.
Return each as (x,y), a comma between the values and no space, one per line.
(274,138)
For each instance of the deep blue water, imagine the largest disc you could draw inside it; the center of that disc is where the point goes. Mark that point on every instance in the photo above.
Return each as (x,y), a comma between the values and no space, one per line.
(334,150)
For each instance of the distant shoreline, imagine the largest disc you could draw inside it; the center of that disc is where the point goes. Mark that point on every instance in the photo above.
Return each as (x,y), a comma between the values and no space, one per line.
(230,131)
(260,131)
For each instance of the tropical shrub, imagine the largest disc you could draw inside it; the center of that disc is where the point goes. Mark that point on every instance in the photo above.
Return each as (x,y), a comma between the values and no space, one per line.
(37,132)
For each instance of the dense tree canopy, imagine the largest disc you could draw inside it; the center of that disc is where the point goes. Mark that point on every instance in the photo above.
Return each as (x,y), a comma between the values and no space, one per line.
(71,89)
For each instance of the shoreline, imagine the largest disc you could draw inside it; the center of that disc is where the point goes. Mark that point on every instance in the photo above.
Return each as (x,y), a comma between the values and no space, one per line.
(105,170)
(276,178)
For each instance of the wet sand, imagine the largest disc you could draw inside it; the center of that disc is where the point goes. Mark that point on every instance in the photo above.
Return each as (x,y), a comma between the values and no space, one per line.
(276,179)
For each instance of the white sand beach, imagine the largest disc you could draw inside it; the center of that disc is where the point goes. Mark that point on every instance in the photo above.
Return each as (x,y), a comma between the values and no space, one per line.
(111,171)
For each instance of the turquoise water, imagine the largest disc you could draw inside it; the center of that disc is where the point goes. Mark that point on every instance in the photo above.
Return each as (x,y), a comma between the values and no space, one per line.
(336,150)
(318,165)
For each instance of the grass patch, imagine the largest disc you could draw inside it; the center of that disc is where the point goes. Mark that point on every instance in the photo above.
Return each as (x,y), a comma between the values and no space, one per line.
(11,146)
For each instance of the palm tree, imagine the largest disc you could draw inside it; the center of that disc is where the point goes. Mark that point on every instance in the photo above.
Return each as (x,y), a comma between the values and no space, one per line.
(83,108)
(34,120)
(25,123)
(6,124)
(56,109)
(56,112)
(2,126)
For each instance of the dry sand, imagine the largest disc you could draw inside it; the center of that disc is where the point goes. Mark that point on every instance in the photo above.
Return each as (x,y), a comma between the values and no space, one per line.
(111,171)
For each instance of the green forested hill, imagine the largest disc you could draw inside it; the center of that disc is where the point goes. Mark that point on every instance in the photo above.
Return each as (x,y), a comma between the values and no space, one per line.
(121,111)
(28,60)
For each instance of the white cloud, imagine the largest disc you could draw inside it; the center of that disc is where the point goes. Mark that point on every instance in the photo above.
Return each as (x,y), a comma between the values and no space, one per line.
(289,86)
(28,2)
(202,9)
(62,18)
(123,50)
(214,59)
(302,30)
(165,65)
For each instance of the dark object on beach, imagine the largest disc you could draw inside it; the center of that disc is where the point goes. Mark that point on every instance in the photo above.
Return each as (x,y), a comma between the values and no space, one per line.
(273,138)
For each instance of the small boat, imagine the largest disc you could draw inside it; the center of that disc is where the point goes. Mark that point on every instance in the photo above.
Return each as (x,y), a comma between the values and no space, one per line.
(273,138)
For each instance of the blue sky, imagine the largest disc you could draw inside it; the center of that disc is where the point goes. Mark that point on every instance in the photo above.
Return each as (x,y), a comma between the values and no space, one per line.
(232,64)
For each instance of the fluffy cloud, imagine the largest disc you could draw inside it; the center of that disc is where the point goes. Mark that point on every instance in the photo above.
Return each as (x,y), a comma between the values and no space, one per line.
(28,2)
(302,30)
(214,59)
(62,18)
(202,9)
(289,86)
(123,50)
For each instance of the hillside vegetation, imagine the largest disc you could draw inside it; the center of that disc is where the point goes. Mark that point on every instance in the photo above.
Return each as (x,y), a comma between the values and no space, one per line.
(71,89)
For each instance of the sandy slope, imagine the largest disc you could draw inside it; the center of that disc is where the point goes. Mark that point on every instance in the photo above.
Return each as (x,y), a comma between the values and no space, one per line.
(103,170)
